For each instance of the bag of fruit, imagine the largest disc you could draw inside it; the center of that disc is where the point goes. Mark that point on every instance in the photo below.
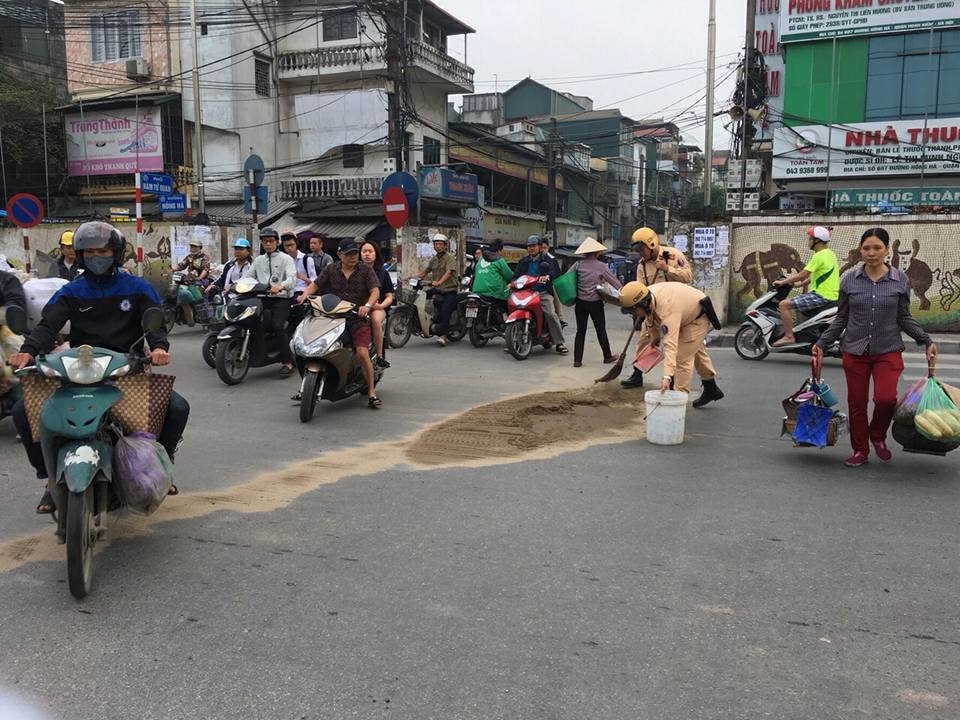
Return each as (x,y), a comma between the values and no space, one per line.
(937,418)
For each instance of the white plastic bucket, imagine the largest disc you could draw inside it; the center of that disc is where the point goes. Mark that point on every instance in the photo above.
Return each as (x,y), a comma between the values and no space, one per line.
(666,414)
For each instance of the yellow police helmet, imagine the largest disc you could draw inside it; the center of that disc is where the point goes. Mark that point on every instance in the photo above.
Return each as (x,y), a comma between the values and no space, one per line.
(632,293)
(66,238)
(646,236)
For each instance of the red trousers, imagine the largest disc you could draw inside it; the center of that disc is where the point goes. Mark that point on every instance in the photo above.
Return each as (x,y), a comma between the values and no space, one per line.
(885,370)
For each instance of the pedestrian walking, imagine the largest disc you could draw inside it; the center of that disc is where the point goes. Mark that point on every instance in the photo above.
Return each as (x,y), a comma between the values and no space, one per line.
(589,305)
(873,307)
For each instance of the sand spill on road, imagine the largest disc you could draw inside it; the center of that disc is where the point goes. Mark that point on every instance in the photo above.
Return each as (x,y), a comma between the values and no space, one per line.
(535,426)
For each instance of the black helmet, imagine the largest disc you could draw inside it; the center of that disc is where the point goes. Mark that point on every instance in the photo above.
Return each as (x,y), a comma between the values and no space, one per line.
(269,232)
(98,234)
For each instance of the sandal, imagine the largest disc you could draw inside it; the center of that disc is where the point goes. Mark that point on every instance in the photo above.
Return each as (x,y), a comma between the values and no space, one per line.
(295,398)
(173,490)
(373,402)
(46,506)
(286,370)
(562,349)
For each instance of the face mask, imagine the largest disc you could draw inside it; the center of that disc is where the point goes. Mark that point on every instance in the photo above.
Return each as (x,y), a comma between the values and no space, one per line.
(98,265)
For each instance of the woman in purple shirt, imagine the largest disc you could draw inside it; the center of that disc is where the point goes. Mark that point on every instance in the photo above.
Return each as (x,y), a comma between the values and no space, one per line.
(590,273)
(874,306)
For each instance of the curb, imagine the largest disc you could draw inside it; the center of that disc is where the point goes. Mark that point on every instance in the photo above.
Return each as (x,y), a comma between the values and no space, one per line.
(946,344)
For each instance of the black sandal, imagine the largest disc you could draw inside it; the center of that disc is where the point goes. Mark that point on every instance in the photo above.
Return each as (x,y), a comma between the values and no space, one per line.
(46,505)
(173,490)
(562,349)
(373,402)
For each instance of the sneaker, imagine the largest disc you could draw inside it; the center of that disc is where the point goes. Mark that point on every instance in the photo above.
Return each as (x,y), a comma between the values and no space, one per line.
(577,363)
(882,451)
(381,363)
(857,459)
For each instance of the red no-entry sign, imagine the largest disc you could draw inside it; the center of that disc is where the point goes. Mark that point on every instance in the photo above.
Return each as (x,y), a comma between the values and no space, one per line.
(25,210)
(395,208)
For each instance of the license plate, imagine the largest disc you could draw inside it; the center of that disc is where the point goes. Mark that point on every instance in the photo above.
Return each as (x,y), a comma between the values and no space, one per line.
(471,312)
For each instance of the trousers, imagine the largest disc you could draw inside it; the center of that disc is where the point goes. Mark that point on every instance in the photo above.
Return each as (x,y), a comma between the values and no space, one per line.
(885,370)
(690,352)
(592,309)
(550,316)
(178,411)
(276,311)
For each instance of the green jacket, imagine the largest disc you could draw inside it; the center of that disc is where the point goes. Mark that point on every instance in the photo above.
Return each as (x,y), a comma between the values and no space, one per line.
(490,278)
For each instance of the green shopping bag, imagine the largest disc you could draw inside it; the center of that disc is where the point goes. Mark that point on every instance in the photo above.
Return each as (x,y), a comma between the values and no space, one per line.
(566,286)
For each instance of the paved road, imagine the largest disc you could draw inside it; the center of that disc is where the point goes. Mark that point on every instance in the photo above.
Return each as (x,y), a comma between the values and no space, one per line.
(731,577)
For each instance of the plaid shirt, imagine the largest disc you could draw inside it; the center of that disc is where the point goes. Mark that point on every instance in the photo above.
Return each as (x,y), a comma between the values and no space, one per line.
(355,289)
(873,314)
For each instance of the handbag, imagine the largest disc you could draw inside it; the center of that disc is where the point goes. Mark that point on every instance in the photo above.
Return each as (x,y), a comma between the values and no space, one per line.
(566,286)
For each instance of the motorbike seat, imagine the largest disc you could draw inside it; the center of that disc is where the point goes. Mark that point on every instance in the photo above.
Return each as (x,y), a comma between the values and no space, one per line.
(813,312)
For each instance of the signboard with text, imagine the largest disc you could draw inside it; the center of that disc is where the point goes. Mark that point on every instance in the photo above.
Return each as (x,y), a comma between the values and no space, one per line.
(900,147)
(445,184)
(904,197)
(156,183)
(767,40)
(173,203)
(113,142)
(819,19)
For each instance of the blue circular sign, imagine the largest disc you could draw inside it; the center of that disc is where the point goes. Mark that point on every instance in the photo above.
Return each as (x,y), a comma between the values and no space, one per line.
(406,182)
(25,210)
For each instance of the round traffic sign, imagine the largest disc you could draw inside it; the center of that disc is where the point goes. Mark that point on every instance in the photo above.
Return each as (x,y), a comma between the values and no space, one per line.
(395,208)
(406,182)
(254,163)
(25,210)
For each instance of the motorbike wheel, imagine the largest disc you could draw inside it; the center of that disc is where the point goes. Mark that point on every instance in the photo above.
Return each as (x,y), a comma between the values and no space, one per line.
(477,338)
(749,343)
(308,395)
(518,340)
(169,315)
(231,368)
(457,331)
(209,350)
(80,539)
(399,328)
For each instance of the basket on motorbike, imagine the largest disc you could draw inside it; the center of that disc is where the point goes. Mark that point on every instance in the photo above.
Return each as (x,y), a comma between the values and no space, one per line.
(406,295)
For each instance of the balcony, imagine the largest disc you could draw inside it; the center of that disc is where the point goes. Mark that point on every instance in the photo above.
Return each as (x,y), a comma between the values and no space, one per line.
(332,187)
(352,61)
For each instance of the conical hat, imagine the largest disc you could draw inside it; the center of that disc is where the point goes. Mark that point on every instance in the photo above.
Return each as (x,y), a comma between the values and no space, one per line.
(590,245)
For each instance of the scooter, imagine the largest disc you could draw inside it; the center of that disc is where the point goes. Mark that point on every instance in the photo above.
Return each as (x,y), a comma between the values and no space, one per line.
(763,327)
(244,341)
(323,355)
(78,435)
(415,313)
(179,306)
(486,318)
(13,319)
(526,326)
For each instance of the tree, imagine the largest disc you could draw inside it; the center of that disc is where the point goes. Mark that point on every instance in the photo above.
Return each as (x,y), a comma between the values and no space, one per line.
(22,104)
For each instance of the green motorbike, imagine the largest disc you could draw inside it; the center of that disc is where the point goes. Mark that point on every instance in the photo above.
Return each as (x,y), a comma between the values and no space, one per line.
(78,435)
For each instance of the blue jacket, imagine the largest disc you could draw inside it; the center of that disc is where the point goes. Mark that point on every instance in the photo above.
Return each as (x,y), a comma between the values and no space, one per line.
(538,265)
(103,311)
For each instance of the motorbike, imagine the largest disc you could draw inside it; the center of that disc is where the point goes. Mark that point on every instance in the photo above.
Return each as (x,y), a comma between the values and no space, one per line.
(324,357)
(415,312)
(525,326)
(78,435)
(485,317)
(13,320)
(244,341)
(182,306)
(763,327)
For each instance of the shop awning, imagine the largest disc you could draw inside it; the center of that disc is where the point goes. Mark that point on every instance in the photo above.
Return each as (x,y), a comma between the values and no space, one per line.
(339,230)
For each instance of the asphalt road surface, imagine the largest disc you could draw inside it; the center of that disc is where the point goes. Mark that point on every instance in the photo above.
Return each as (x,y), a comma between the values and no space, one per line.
(317,571)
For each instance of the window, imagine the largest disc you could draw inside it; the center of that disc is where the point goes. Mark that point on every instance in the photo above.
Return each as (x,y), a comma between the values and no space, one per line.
(261,75)
(115,36)
(431,151)
(353,156)
(909,76)
(340,26)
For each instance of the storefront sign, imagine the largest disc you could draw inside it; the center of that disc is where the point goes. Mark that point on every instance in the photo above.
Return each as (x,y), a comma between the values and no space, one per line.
(113,142)
(904,197)
(767,41)
(445,184)
(902,147)
(818,19)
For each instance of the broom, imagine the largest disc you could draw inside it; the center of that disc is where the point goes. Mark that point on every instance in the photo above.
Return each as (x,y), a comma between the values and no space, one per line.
(614,372)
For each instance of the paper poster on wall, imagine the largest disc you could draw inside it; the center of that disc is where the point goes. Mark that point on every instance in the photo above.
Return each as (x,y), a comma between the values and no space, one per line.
(680,242)
(183,236)
(723,241)
(704,242)
(425,250)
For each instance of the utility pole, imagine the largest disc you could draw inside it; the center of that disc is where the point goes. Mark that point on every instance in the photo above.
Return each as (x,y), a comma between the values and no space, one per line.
(745,121)
(708,130)
(553,146)
(197,119)
(396,24)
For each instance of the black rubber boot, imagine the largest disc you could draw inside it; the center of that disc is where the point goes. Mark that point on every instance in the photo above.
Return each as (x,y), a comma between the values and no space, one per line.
(634,381)
(710,393)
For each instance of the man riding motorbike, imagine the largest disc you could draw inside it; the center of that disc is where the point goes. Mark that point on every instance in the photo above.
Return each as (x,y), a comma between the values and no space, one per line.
(104,307)
(238,268)
(276,269)
(491,273)
(542,266)
(823,273)
(197,267)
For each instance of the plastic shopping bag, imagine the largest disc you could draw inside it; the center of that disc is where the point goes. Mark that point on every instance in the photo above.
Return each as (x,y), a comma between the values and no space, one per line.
(937,418)
(143,472)
(907,406)
(813,425)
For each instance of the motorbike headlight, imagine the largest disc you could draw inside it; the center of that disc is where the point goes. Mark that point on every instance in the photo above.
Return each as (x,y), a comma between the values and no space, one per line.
(519,283)
(86,368)
(318,346)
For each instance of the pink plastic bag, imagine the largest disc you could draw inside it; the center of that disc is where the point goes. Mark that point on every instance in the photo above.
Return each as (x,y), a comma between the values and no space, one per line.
(143,472)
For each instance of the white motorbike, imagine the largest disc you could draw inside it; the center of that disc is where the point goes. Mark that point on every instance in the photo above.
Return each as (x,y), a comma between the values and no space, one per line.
(763,327)
(323,355)
(417,312)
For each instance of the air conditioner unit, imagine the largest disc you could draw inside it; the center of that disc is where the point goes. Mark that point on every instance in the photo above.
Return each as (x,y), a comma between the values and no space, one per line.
(138,69)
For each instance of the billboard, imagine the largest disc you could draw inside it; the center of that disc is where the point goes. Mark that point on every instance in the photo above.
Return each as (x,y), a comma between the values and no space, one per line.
(820,19)
(113,142)
(767,41)
(865,150)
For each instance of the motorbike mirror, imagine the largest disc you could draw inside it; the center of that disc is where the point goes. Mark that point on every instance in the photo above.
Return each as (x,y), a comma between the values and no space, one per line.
(152,320)
(15,318)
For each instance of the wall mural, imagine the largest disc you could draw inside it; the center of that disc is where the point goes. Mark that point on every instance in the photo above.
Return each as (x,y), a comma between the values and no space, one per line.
(927,252)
